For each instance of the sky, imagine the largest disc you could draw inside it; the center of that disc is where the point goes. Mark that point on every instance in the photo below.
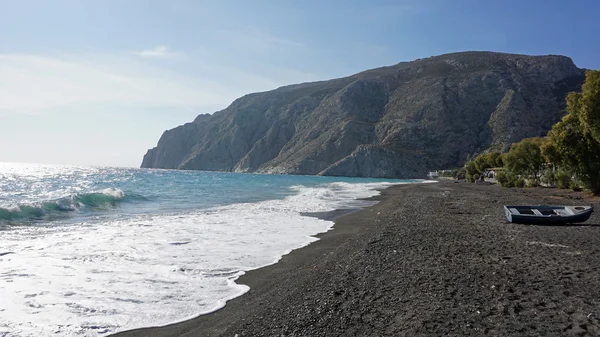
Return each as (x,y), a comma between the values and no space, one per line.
(96,82)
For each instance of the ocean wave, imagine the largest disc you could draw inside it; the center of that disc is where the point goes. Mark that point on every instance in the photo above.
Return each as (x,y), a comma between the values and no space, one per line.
(63,207)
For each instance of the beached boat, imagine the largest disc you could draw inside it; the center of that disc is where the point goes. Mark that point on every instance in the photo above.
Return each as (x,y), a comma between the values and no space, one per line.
(547,214)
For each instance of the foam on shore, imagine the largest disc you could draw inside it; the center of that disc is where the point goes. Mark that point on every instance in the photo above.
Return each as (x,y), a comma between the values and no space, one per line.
(101,277)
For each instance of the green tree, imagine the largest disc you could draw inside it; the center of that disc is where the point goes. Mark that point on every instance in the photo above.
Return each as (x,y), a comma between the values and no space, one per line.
(459,173)
(475,167)
(573,145)
(590,104)
(488,160)
(496,159)
(481,163)
(563,179)
(525,159)
(471,171)
(505,179)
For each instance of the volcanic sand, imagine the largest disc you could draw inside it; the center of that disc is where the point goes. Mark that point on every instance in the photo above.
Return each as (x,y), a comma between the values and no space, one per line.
(428,260)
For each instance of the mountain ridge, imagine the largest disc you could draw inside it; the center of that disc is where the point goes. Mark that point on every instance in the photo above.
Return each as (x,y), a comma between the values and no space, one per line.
(394,121)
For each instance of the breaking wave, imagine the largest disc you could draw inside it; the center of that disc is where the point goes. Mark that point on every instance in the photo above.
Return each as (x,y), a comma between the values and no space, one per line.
(63,207)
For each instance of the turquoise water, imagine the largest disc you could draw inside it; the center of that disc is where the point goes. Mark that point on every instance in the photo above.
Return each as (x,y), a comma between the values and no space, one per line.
(89,251)
(44,193)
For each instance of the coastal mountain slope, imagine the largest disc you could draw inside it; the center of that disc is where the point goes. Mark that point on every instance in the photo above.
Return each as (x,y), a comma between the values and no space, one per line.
(394,122)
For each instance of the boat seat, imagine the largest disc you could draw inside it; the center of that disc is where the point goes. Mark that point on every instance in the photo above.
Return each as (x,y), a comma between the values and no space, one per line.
(563,212)
(536,212)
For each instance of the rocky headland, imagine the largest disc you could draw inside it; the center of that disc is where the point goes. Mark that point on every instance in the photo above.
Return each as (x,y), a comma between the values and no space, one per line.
(393,122)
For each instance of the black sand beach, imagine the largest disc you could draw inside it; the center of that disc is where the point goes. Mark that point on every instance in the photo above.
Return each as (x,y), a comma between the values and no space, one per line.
(428,260)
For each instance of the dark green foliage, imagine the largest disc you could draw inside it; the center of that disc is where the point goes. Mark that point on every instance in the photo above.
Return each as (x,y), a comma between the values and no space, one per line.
(590,104)
(525,159)
(488,160)
(482,162)
(498,161)
(460,173)
(471,171)
(509,179)
(563,179)
(574,144)
(549,177)
(502,179)
(531,183)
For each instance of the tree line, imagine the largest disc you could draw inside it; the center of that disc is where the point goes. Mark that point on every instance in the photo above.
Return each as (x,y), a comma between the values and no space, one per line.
(568,157)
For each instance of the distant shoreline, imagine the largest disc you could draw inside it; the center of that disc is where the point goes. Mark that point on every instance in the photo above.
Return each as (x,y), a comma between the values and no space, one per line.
(429,259)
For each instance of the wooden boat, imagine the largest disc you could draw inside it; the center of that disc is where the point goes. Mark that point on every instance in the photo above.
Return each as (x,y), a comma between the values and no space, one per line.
(547,214)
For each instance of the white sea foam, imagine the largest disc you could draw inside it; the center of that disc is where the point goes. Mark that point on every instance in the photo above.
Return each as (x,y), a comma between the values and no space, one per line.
(92,279)
(113,192)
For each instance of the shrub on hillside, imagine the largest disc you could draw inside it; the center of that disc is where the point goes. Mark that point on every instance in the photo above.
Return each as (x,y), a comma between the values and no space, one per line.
(509,179)
(520,182)
(563,179)
(532,183)
(460,173)
(576,185)
(502,179)
(549,177)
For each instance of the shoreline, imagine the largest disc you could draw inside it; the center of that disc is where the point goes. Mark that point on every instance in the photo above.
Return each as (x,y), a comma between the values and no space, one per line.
(376,273)
(256,280)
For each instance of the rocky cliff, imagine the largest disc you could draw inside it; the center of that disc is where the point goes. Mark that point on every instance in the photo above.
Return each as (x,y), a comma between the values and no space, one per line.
(397,121)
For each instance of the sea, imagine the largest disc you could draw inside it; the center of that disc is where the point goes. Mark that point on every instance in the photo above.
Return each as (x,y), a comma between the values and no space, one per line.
(89,251)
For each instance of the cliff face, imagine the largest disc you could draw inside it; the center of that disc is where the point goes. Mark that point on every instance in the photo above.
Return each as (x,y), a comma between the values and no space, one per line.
(395,122)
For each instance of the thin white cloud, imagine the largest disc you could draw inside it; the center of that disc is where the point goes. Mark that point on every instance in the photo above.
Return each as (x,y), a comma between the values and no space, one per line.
(30,82)
(161,52)
(33,84)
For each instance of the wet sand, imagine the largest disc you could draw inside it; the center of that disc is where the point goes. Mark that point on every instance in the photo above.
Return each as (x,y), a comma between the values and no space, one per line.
(428,260)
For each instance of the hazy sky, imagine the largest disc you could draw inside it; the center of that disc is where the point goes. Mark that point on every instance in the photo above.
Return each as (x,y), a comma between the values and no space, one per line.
(96,82)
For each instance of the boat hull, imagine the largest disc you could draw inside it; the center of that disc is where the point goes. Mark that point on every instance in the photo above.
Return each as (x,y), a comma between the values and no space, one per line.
(555,220)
